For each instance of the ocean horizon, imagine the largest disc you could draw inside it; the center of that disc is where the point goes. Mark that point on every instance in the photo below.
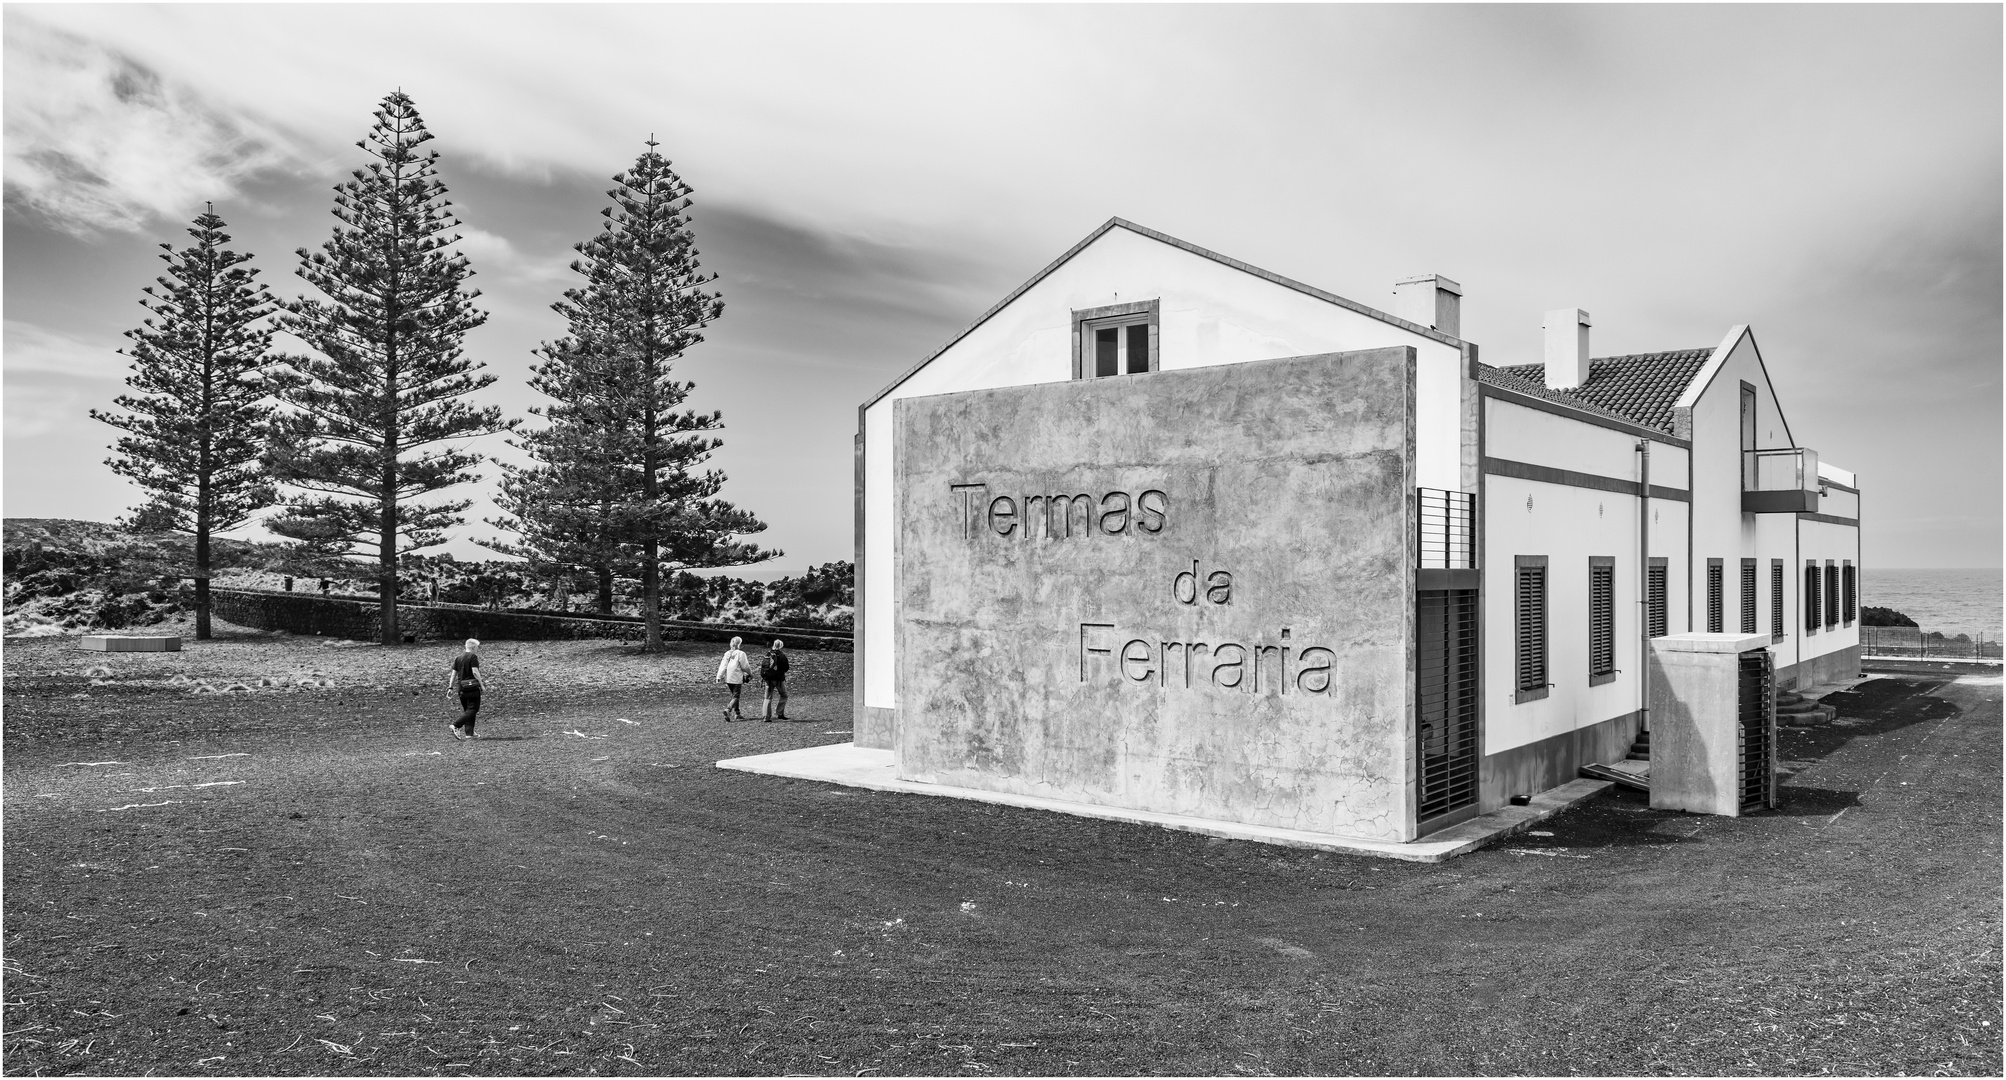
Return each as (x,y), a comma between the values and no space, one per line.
(1950,601)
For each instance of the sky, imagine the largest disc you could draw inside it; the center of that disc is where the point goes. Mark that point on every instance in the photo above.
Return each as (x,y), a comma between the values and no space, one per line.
(869,180)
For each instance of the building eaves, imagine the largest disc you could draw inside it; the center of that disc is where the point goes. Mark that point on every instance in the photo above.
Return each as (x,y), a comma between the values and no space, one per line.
(1641,388)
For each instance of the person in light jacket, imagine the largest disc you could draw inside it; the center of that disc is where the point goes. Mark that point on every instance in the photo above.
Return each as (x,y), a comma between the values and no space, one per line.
(731,671)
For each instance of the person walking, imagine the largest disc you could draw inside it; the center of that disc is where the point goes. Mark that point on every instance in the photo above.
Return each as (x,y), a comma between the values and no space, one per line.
(731,671)
(773,672)
(465,684)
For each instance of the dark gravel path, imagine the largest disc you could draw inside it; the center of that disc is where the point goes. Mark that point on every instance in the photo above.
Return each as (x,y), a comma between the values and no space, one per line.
(349,891)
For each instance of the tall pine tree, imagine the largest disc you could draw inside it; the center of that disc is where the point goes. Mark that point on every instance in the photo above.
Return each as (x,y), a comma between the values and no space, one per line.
(561,506)
(197,426)
(619,439)
(370,410)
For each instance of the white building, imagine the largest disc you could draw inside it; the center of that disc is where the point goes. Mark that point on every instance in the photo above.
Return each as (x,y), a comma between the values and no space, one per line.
(1557,511)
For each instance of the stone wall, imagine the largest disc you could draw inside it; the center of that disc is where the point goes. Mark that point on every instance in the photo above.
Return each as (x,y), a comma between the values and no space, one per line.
(356,619)
(1189,592)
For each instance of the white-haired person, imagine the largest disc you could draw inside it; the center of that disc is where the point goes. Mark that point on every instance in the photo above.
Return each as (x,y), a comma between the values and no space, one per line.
(465,684)
(731,671)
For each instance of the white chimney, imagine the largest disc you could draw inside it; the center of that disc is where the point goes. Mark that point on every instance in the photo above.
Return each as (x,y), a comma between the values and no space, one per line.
(1566,348)
(1431,300)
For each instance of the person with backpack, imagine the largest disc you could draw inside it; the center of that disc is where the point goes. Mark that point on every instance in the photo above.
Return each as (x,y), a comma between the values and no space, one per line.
(465,684)
(731,671)
(773,672)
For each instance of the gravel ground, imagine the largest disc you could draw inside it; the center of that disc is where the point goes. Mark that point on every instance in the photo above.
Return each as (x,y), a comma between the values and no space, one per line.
(313,878)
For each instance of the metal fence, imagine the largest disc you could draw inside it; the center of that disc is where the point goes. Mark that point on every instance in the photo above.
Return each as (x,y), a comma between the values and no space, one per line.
(1917,642)
(1445,529)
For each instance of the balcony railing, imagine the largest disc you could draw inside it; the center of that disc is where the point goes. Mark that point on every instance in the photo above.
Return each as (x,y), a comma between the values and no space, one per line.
(1446,530)
(1779,481)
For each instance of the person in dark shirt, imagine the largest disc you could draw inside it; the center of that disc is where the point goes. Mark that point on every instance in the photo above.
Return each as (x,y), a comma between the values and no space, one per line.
(773,672)
(465,684)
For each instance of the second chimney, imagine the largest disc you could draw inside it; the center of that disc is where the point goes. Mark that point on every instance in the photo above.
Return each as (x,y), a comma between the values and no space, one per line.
(1566,348)
(1431,300)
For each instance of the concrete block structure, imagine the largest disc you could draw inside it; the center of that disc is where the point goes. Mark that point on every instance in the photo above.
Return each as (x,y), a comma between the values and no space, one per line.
(1713,724)
(131,643)
(1445,576)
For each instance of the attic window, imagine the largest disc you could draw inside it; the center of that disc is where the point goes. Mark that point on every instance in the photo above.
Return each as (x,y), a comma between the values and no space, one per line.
(1116,340)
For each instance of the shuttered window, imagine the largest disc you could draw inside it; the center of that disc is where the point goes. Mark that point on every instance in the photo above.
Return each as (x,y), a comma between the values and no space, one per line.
(1748,596)
(1776,599)
(1655,599)
(1852,587)
(1831,595)
(1811,591)
(1530,627)
(1601,619)
(1714,600)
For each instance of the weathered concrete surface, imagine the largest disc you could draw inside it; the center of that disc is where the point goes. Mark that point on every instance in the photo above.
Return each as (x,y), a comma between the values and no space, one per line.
(1831,667)
(1106,658)
(1695,723)
(861,767)
(131,642)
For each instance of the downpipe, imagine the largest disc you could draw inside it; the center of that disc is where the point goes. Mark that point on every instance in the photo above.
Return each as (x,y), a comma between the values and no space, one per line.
(1644,582)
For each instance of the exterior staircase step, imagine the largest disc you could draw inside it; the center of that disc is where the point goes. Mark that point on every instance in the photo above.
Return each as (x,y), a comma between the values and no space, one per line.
(1816,716)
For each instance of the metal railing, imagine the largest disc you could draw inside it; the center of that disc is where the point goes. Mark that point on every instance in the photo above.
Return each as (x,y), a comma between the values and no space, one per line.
(1917,642)
(1783,480)
(1783,468)
(1445,529)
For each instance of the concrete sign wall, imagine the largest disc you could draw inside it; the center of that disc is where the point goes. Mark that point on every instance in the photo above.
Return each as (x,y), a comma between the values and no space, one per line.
(1188,592)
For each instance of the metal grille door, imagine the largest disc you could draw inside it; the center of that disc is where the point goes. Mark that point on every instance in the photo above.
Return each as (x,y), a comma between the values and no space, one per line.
(1757,779)
(1445,703)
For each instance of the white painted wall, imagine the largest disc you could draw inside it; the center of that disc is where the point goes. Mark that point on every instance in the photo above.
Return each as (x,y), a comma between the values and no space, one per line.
(1721,530)
(1824,541)
(1538,437)
(1839,503)
(1210,313)
(1568,525)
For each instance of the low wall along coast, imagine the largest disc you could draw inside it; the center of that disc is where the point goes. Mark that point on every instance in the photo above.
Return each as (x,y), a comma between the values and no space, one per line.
(355,618)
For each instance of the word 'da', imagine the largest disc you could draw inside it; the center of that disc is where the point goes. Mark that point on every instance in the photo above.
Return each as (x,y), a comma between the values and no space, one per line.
(1058,517)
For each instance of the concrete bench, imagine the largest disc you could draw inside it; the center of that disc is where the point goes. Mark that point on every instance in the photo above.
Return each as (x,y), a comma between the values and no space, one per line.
(132,643)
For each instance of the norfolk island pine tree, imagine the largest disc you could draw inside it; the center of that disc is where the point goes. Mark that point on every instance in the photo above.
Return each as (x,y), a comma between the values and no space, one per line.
(368,410)
(197,428)
(561,505)
(618,407)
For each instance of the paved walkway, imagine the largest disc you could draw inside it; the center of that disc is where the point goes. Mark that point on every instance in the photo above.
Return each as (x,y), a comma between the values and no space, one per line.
(852,766)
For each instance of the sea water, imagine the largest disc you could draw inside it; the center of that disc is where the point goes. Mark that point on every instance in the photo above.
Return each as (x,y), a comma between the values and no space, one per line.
(1950,602)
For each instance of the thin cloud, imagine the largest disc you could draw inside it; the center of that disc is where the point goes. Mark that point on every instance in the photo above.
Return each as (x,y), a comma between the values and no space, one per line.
(35,348)
(35,409)
(492,253)
(95,141)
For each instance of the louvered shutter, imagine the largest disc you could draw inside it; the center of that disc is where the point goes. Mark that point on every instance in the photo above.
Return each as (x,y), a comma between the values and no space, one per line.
(1601,618)
(1531,626)
(1713,596)
(1776,599)
(1811,597)
(1748,596)
(1657,598)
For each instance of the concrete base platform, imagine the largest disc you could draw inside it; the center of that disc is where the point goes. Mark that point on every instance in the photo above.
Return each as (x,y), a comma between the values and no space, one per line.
(132,642)
(851,766)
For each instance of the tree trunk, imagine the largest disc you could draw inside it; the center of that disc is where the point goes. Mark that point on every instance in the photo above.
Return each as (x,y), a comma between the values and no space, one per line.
(651,597)
(605,590)
(386,552)
(202,629)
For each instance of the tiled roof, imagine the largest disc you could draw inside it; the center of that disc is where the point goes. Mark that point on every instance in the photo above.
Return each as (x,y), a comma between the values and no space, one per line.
(1640,388)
